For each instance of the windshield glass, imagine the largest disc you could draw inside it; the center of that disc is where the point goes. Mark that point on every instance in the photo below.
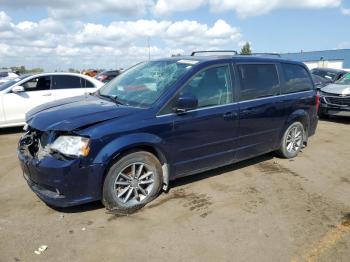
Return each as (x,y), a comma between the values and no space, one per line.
(345,80)
(325,74)
(11,82)
(144,83)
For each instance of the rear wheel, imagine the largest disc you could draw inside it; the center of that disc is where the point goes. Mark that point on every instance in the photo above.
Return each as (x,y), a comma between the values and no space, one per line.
(292,141)
(132,182)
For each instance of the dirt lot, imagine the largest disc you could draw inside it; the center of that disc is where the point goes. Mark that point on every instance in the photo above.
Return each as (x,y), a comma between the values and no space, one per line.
(265,209)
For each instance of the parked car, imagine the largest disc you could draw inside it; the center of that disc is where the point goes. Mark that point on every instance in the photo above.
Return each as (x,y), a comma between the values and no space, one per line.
(6,76)
(107,76)
(329,73)
(335,98)
(19,95)
(320,81)
(165,119)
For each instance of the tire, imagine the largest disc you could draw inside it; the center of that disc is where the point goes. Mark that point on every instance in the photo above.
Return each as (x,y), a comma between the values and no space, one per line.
(132,182)
(292,140)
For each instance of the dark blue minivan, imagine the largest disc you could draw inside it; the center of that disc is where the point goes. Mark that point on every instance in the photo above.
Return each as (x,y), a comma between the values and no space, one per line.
(165,119)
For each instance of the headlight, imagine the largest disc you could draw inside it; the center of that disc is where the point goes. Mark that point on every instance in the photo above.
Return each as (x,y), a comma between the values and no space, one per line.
(71,145)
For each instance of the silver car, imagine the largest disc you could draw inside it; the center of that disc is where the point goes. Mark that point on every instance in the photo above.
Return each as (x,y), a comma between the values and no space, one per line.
(335,98)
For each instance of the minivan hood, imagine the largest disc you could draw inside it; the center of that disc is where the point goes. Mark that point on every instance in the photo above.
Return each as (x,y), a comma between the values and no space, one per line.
(337,89)
(74,113)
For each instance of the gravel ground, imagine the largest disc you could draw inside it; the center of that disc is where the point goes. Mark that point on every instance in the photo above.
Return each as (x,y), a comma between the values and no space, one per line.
(264,209)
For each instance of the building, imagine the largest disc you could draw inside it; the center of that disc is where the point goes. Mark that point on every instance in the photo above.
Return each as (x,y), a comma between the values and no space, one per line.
(337,58)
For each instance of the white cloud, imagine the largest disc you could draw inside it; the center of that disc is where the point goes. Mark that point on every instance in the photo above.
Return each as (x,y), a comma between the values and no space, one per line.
(81,8)
(165,7)
(242,8)
(345,11)
(53,44)
(63,9)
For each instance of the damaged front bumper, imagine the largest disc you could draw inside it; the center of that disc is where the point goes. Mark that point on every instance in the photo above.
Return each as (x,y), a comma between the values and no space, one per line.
(58,181)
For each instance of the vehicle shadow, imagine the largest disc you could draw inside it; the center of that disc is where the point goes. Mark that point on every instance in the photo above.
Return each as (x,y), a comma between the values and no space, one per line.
(177,183)
(79,209)
(337,119)
(219,171)
(11,130)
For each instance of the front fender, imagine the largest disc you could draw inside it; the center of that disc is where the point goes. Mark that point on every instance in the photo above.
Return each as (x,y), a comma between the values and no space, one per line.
(120,144)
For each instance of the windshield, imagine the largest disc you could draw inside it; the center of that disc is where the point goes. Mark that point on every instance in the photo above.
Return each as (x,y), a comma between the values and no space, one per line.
(11,82)
(345,80)
(325,74)
(144,83)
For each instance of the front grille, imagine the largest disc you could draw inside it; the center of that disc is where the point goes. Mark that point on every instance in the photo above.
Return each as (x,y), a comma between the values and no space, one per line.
(341,101)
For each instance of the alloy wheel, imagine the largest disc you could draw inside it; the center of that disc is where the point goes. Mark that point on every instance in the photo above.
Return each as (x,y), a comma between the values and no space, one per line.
(134,183)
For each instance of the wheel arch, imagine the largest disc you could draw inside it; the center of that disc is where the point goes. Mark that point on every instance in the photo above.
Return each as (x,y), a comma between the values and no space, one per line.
(122,146)
(301,116)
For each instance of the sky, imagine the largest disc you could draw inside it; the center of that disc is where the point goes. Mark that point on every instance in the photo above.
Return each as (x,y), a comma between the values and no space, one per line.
(82,34)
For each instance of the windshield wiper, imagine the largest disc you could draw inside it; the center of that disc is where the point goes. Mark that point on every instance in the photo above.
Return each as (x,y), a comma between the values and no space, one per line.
(111,98)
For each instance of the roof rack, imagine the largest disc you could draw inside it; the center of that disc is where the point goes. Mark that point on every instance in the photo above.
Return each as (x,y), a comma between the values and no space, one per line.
(269,54)
(215,51)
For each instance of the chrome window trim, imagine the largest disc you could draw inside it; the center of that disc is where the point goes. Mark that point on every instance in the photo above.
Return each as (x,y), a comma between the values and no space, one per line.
(235,103)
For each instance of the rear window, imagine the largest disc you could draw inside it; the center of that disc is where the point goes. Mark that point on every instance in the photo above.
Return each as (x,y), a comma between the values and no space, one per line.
(87,83)
(66,81)
(297,79)
(258,80)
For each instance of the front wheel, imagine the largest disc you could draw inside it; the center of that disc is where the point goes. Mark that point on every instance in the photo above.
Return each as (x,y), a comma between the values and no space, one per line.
(132,182)
(292,140)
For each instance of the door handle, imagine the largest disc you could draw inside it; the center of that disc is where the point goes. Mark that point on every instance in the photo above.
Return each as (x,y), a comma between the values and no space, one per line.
(47,94)
(230,115)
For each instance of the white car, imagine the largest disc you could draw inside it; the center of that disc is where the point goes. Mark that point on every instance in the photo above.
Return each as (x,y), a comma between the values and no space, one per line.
(19,95)
(7,76)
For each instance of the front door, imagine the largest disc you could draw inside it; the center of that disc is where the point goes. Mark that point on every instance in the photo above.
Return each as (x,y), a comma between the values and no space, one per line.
(205,137)
(36,92)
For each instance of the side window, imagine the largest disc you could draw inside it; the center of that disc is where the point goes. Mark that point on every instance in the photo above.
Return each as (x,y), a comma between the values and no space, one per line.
(297,79)
(65,82)
(211,87)
(37,84)
(4,74)
(258,80)
(86,83)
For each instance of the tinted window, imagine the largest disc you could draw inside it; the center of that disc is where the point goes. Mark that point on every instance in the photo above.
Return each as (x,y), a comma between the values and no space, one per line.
(66,81)
(211,87)
(4,74)
(258,80)
(37,84)
(297,79)
(86,83)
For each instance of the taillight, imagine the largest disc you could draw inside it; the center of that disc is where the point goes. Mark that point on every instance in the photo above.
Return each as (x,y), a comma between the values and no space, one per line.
(318,102)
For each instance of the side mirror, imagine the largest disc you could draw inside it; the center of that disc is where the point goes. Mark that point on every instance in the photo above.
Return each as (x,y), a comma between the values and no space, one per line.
(17,89)
(186,102)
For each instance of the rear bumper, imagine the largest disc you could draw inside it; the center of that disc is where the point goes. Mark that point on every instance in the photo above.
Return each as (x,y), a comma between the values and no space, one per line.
(62,183)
